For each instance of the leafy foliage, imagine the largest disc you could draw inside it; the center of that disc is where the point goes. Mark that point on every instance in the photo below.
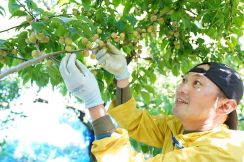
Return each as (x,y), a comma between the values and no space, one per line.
(9,90)
(173,31)
(176,34)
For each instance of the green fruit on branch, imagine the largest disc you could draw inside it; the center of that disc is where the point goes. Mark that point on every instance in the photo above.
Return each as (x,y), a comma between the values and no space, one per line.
(143,31)
(150,29)
(176,34)
(143,35)
(45,18)
(14,51)
(89,14)
(49,62)
(93,56)
(161,20)
(176,42)
(75,11)
(135,33)
(117,39)
(45,39)
(68,41)
(84,41)
(40,36)
(61,40)
(122,36)
(95,37)
(86,53)
(68,48)
(139,51)
(29,18)
(174,23)
(89,45)
(3,52)
(113,35)
(35,53)
(32,38)
(139,47)
(177,46)
(154,18)
(101,43)
(99,31)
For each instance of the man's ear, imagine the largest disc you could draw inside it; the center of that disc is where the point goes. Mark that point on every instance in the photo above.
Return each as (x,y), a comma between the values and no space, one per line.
(227,106)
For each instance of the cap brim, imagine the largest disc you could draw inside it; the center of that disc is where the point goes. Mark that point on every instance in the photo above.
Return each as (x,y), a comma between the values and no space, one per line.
(232,120)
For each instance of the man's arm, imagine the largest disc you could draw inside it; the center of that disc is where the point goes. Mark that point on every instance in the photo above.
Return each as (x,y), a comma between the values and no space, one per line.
(122,92)
(123,109)
(83,84)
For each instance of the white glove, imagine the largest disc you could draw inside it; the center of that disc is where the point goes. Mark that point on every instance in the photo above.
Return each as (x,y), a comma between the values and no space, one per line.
(80,81)
(112,60)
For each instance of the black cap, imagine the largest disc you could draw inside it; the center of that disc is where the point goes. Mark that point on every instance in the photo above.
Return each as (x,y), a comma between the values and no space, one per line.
(224,77)
(228,81)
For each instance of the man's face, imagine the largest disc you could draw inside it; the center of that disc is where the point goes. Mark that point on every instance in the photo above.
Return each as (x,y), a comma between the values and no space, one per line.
(196,98)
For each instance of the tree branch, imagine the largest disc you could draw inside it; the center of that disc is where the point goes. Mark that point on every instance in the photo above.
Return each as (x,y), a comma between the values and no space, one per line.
(31,62)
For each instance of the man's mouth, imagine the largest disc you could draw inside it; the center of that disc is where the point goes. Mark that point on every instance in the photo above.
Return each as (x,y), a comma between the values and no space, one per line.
(180,100)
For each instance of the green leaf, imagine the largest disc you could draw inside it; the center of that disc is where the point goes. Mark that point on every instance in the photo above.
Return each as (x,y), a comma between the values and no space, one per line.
(2,42)
(152,77)
(31,4)
(146,97)
(127,8)
(54,75)
(61,30)
(100,16)
(116,2)
(120,25)
(86,3)
(38,26)
(175,69)
(132,20)
(149,88)
(86,30)
(42,79)
(19,13)
(13,6)
(61,2)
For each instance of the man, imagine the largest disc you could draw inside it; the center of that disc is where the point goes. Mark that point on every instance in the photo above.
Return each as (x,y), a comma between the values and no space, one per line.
(206,98)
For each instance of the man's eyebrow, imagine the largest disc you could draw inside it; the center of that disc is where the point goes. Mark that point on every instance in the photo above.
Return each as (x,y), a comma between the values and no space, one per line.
(199,75)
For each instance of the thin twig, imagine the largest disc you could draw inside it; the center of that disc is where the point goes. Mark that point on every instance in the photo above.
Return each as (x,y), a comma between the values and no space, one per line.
(25,8)
(14,27)
(28,23)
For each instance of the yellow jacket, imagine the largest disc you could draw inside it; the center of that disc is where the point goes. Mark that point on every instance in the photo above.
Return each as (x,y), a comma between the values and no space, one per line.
(218,145)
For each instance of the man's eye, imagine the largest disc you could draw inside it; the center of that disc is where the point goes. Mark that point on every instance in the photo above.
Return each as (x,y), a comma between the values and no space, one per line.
(183,80)
(197,83)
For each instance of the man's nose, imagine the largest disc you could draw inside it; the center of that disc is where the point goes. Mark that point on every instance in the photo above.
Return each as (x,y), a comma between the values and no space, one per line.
(183,88)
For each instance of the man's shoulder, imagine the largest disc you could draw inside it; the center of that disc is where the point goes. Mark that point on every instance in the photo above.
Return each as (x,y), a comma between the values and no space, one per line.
(227,138)
(237,135)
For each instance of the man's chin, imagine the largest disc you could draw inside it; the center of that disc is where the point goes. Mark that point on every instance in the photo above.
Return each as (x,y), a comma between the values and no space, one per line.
(177,111)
